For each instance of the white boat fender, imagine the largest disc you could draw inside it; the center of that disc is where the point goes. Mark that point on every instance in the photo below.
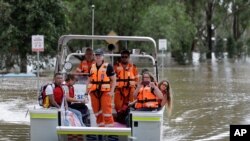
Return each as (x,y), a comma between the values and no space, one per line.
(131,138)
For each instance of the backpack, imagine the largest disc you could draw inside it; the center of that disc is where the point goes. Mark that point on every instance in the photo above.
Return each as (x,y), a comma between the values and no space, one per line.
(43,99)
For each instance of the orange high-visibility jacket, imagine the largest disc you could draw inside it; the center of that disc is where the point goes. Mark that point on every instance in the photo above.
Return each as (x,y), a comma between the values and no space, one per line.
(146,98)
(98,78)
(125,76)
(85,66)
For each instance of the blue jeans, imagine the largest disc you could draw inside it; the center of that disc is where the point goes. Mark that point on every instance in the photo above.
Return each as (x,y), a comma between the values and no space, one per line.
(78,114)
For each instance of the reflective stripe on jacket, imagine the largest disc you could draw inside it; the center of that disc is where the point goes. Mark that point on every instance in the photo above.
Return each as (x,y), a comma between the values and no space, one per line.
(125,76)
(146,99)
(98,78)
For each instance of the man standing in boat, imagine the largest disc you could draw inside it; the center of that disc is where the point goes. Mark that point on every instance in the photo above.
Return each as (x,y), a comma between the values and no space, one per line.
(126,77)
(88,60)
(102,82)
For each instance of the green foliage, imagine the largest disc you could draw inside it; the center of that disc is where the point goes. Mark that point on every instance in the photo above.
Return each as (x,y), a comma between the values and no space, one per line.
(31,17)
(171,22)
(120,16)
(182,23)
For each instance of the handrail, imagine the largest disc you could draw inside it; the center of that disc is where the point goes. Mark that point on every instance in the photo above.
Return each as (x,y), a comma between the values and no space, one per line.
(117,55)
(63,40)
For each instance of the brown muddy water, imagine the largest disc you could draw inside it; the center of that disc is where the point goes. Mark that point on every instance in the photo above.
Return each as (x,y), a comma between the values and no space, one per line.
(208,97)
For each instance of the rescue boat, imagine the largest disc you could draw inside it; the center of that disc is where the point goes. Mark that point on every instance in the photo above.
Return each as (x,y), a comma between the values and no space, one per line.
(47,124)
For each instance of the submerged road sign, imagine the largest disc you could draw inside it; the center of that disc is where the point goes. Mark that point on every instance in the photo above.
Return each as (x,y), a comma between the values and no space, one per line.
(37,43)
(162,44)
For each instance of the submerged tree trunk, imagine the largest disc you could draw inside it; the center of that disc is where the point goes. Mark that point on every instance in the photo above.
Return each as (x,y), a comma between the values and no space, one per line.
(9,61)
(23,52)
(23,63)
(209,16)
(236,33)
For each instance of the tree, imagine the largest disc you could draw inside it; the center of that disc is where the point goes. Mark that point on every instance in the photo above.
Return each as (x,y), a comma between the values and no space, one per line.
(121,16)
(170,21)
(241,22)
(32,17)
(7,59)
(207,16)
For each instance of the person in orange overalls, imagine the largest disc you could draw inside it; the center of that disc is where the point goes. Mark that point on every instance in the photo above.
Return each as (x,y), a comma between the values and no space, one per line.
(147,93)
(126,79)
(102,82)
(85,65)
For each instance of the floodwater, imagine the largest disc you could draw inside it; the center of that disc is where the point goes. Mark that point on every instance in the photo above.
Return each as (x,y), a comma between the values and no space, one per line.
(208,97)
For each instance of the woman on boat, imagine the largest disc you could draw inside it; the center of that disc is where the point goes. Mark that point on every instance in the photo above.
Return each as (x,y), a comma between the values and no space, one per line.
(102,82)
(147,93)
(167,100)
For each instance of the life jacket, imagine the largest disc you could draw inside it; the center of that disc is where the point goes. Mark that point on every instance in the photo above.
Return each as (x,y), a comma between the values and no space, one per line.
(125,76)
(98,78)
(43,99)
(71,91)
(58,94)
(85,66)
(146,98)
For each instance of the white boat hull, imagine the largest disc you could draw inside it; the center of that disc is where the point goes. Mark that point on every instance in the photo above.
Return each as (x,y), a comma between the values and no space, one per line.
(146,126)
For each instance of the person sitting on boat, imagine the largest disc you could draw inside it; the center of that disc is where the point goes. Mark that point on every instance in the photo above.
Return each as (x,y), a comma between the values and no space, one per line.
(86,63)
(147,93)
(167,100)
(56,92)
(126,79)
(102,82)
(73,102)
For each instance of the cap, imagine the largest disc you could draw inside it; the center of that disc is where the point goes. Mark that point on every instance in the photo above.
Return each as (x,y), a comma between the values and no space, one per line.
(125,52)
(99,51)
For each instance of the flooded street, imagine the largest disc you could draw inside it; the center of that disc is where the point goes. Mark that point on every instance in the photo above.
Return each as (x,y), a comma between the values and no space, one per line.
(17,95)
(208,97)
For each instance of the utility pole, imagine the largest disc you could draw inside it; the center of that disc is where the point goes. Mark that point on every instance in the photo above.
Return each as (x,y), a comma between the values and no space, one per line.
(93,20)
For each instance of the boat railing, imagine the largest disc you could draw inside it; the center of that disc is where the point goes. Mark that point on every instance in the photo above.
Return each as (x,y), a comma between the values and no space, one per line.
(63,46)
(132,56)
